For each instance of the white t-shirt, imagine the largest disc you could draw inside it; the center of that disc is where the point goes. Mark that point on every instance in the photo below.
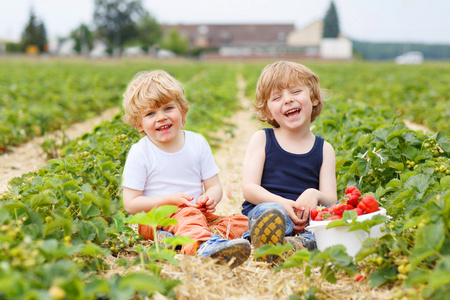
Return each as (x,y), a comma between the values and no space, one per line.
(158,173)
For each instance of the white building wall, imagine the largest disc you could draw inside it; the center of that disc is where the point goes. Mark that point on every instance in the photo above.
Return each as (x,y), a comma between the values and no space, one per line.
(336,48)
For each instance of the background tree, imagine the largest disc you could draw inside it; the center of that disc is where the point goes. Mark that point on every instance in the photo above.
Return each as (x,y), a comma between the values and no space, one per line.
(115,21)
(34,34)
(331,23)
(83,37)
(175,42)
(150,31)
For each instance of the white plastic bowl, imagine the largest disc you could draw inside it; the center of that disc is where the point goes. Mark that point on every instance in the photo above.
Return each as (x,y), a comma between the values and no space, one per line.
(351,240)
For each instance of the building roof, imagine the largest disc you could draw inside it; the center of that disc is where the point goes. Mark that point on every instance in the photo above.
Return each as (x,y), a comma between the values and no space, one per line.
(241,35)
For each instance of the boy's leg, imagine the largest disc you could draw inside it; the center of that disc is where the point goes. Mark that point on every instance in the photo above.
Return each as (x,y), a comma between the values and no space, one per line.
(229,227)
(258,210)
(191,223)
(267,227)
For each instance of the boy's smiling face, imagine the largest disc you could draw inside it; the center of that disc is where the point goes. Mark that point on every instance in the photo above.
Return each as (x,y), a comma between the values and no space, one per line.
(162,124)
(291,107)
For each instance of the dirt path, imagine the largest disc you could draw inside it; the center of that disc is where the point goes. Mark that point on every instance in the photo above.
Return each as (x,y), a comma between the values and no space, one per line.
(230,156)
(30,156)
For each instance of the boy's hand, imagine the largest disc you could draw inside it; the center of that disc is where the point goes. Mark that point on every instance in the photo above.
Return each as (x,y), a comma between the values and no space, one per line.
(291,210)
(182,199)
(305,202)
(206,203)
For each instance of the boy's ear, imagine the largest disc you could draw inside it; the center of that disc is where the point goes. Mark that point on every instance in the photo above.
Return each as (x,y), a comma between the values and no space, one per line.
(315,102)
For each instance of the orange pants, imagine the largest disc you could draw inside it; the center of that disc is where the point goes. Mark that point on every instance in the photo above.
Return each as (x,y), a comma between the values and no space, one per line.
(200,226)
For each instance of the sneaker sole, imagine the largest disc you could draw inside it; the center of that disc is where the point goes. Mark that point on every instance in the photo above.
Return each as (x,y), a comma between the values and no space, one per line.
(269,229)
(239,251)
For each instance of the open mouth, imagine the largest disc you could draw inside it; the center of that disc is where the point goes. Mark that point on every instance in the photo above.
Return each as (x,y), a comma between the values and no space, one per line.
(292,112)
(165,127)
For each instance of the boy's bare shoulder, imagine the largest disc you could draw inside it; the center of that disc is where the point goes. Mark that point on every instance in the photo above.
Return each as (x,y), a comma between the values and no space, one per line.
(327,147)
(259,135)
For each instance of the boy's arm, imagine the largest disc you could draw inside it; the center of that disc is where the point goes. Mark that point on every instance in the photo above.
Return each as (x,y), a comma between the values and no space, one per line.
(212,196)
(252,173)
(134,202)
(326,194)
(327,179)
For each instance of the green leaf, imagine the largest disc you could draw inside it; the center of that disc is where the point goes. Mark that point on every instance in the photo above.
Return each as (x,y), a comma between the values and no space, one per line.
(428,242)
(142,282)
(93,250)
(440,275)
(364,140)
(381,276)
(396,166)
(163,255)
(272,250)
(13,204)
(366,225)
(100,225)
(443,139)
(89,210)
(445,182)
(119,221)
(156,217)
(295,260)
(177,241)
(419,183)
(45,198)
(394,183)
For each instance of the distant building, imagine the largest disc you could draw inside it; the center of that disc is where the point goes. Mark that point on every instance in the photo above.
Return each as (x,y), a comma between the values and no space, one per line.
(222,41)
(310,40)
(253,41)
(233,35)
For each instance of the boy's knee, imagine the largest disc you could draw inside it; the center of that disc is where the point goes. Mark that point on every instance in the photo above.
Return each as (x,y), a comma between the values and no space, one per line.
(270,205)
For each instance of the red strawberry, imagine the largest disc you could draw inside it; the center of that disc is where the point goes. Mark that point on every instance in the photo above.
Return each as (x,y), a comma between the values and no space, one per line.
(368,204)
(322,215)
(359,211)
(353,194)
(338,209)
(315,210)
(335,217)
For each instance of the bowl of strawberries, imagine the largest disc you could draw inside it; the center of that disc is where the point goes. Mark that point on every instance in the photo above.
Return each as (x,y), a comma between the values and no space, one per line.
(352,207)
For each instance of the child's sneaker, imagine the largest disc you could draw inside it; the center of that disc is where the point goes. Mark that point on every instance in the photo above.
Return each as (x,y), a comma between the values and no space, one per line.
(225,250)
(269,228)
(299,243)
(161,235)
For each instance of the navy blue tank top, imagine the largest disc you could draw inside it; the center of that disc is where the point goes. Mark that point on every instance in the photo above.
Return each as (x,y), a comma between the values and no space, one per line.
(287,174)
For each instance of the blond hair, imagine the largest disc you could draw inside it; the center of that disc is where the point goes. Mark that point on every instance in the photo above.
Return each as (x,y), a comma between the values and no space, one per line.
(281,75)
(152,89)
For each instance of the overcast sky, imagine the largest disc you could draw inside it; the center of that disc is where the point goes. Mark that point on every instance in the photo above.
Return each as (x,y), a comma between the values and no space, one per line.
(426,21)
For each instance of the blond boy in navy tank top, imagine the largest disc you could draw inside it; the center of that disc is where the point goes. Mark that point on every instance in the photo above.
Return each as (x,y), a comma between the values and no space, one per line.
(278,201)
